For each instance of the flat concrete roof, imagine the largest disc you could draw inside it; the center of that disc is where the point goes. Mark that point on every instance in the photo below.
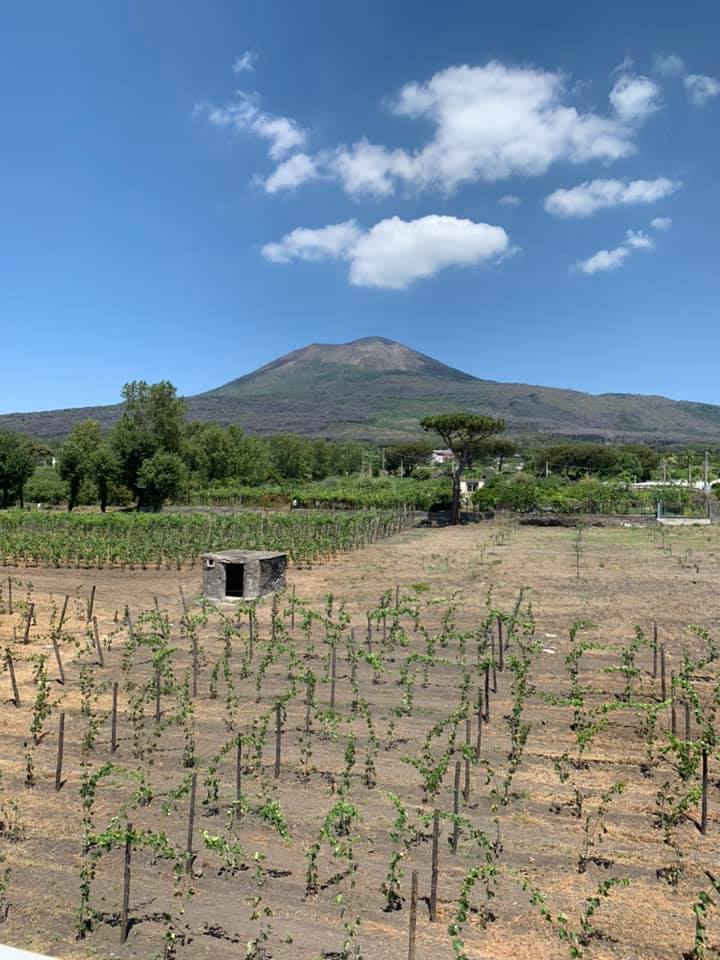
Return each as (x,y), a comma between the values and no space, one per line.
(242,556)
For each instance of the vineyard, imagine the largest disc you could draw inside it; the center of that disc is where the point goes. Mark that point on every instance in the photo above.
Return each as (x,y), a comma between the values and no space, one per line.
(154,540)
(489,742)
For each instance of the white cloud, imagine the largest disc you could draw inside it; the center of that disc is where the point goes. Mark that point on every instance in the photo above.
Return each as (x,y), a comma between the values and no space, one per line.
(245,63)
(243,115)
(700,88)
(368,168)
(669,65)
(510,200)
(329,242)
(605,260)
(634,98)
(638,240)
(297,169)
(394,253)
(586,198)
(489,123)
(661,223)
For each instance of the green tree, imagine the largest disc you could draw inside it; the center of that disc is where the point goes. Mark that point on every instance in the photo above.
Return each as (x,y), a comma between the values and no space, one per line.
(160,478)
(464,434)
(17,465)
(498,448)
(153,420)
(75,456)
(104,469)
(404,457)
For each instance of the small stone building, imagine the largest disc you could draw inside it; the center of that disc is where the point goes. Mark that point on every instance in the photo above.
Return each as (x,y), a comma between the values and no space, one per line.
(242,574)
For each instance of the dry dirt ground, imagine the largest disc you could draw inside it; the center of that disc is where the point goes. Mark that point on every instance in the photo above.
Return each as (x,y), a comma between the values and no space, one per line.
(615,577)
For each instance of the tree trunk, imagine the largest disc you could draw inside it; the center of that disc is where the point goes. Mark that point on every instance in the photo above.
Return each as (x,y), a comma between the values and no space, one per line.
(455,507)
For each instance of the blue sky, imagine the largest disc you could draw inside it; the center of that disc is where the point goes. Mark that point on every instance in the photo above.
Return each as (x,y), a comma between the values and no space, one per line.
(189,190)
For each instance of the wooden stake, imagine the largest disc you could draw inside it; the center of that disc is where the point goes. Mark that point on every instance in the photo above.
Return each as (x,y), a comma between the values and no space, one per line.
(238,774)
(663,681)
(478,741)
(157,694)
(501,645)
(704,799)
(434,866)
(687,720)
(98,645)
(91,604)
(183,600)
(60,751)
(492,655)
(10,606)
(13,680)
(412,928)
(194,667)
(28,622)
(486,696)
(278,738)
(61,621)
(124,916)
(655,651)
(113,719)
(673,713)
(456,807)
(58,658)
(466,787)
(369,633)
(333,674)
(189,857)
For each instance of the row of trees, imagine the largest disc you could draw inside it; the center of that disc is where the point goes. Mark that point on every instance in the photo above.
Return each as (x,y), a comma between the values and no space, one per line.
(153,453)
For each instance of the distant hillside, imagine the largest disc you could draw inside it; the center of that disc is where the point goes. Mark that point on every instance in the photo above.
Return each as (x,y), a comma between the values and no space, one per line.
(377,389)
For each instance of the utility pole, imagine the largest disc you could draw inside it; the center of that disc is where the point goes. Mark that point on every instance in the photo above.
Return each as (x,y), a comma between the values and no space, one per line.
(706,471)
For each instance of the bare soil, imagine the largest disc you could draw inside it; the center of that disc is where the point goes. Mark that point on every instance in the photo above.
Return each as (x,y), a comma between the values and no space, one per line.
(623,577)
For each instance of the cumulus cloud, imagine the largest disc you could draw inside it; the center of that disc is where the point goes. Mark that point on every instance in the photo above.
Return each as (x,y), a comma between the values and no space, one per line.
(638,240)
(331,242)
(297,169)
(509,200)
(669,65)
(701,88)
(592,195)
(243,115)
(661,223)
(635,98)
(489,123)
(605,260)
(245,63)
(394,253)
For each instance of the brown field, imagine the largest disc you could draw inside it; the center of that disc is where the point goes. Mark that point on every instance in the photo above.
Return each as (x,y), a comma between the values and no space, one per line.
(626,577)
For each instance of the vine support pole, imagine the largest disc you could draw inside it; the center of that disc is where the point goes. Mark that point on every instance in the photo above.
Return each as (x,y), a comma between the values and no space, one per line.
(60,751)
(412,927)
(125,914)
(434,866)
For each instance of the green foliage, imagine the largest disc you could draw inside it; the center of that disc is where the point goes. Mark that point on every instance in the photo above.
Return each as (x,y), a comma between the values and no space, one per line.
(16,466)
(160,478)
(143,540)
